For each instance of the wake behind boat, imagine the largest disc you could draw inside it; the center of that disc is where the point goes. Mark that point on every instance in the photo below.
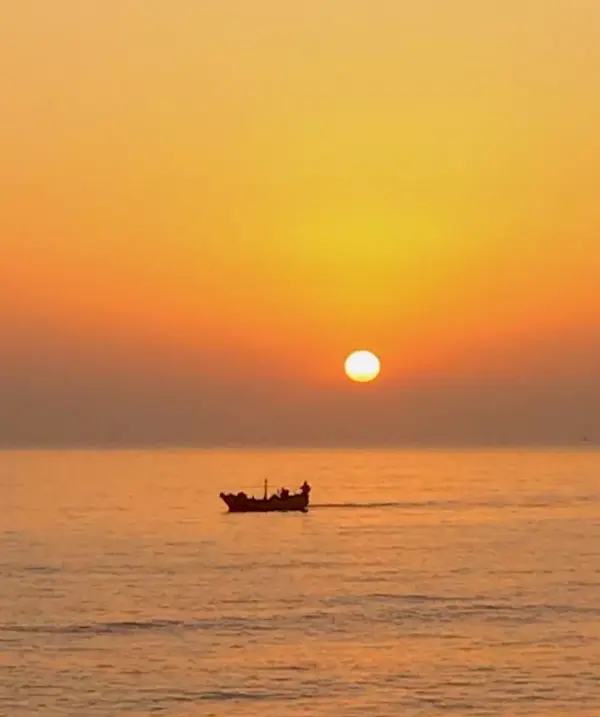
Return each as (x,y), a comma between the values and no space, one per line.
(282,501)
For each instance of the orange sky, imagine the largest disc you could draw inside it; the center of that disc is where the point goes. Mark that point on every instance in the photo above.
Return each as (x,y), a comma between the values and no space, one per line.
(225,197)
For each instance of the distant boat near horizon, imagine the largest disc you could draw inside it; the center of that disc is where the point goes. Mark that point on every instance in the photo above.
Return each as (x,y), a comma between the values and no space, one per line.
(283,501)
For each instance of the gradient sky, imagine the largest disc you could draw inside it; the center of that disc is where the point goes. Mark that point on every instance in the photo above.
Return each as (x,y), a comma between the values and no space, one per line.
(206,204)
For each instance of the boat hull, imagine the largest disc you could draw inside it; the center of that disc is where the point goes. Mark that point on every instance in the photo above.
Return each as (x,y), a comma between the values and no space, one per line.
(274,504)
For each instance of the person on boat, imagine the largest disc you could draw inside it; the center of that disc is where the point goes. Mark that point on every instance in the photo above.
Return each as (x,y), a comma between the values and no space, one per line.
(284,493)
(305,488)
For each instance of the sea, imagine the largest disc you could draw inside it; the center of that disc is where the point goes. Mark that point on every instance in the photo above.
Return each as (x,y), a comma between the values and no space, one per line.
(420,582)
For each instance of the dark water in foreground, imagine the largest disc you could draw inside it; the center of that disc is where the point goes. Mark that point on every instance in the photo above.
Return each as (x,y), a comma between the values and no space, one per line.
(421,583)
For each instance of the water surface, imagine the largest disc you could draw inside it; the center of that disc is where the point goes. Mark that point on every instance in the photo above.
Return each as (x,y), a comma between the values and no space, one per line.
(420,583)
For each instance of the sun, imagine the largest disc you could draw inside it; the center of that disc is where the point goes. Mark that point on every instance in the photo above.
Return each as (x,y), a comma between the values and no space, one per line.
(362,366)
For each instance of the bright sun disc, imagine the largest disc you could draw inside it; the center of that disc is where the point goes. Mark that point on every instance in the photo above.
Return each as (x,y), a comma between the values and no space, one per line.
(362,366)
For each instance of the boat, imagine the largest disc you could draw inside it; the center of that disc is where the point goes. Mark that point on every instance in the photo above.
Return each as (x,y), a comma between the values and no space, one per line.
(282,501)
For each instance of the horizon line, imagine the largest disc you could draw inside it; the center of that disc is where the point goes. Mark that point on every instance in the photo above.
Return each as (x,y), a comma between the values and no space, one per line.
(277,446)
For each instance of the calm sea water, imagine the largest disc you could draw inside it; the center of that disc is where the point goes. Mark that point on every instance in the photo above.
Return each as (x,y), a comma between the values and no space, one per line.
(420,583)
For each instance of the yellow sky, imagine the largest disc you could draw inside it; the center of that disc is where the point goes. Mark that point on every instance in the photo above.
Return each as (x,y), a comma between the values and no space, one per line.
(239,188)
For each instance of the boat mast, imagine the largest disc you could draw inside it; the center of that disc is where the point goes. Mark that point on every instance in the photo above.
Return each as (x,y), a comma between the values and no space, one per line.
(265,488)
